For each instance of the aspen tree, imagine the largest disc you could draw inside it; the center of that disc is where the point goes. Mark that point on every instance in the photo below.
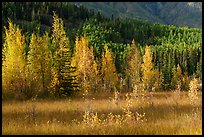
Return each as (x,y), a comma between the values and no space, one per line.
(14,61)
(39,59)
(108,70)
(87,68)
(148,70)
(134,65)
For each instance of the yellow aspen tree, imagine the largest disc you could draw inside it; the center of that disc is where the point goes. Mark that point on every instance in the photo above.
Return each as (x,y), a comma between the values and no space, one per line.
(108,71)
(148,70)
(90,67)
(95,76)
(87,68)
(134,65)
(62,82)
(14,61)
(39,62)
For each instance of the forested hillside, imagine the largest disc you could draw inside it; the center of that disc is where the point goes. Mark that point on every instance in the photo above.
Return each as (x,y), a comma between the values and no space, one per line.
(57,48)
(170,13)
(37,16)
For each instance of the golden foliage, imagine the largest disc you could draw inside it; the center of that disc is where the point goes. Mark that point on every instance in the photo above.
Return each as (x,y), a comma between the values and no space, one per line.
(87,68)
(108,70)
(39,63)
(193,90)
(14,60)
(134,65)
(148,69)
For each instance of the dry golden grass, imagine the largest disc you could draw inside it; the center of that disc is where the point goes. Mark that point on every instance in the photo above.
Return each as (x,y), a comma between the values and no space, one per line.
(165,113)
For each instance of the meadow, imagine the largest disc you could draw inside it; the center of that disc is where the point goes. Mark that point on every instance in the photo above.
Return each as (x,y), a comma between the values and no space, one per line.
(144,114)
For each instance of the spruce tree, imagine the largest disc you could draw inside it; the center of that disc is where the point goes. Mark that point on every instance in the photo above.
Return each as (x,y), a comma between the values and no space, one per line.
(63,81)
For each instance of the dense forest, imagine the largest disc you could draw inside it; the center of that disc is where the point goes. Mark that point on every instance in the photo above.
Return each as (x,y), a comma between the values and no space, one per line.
(57,48)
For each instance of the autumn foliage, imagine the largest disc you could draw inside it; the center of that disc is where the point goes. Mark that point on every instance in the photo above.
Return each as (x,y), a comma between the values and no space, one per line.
(49,65)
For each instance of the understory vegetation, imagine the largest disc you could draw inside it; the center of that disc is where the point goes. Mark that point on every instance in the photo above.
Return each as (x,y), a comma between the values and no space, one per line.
(156,113)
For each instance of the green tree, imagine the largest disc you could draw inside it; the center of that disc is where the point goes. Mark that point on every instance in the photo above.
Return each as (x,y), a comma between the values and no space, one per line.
(177,77)
(63,81)
(199,68)
(174,80)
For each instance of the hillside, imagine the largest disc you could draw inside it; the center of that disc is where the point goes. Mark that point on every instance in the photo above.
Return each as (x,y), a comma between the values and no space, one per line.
(171,13)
